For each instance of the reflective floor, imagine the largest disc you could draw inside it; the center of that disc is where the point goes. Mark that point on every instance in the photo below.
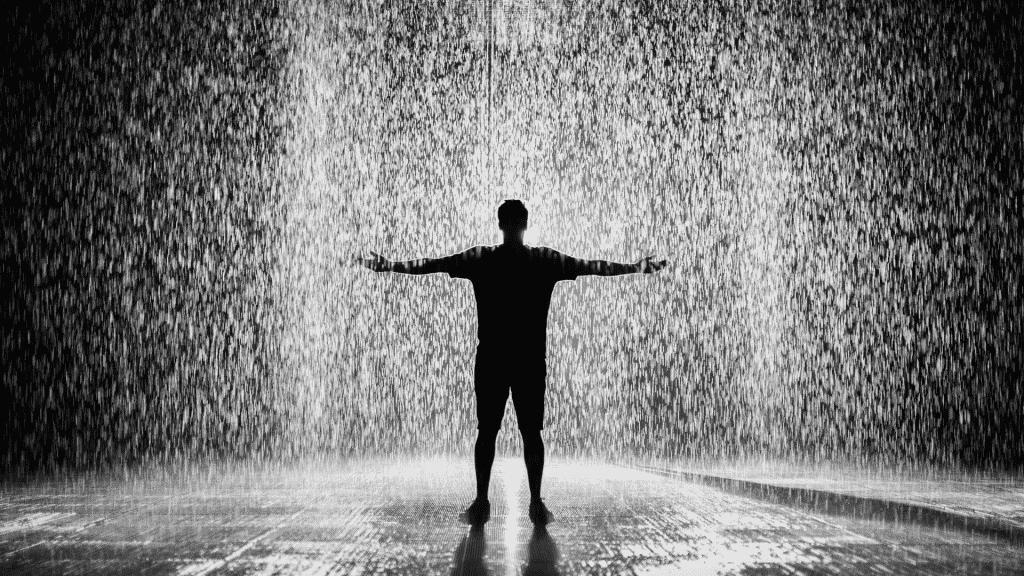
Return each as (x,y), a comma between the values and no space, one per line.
(401,518)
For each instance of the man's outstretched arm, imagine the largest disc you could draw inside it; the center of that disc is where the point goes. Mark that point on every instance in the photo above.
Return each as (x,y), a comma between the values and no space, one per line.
(378,263)
(605,268)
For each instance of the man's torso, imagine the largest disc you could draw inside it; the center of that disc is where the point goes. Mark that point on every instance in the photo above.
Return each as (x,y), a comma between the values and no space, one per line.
(513,287)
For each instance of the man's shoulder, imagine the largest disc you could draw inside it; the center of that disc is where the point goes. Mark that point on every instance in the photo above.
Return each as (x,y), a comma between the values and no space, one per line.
(466,264)
(545,253)
(480,251)
(475,252)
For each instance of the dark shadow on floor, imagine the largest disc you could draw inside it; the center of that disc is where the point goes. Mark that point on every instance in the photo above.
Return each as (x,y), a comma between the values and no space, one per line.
(469,554)
(541,554)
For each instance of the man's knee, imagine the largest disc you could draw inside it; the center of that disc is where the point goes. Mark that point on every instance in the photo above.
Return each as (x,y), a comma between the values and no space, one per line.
(531,439)
(487,434)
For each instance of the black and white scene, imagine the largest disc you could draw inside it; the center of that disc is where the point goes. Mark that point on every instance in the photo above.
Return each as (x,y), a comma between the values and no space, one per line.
(512,288)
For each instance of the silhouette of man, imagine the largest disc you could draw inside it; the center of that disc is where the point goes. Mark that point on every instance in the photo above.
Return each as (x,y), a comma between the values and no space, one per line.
(513,284)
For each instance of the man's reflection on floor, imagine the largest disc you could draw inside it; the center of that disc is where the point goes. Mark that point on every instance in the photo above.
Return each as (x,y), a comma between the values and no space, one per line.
(469,554)
(541,554)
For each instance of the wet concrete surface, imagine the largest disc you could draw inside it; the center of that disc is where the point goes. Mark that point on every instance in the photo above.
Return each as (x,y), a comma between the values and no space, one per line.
(985,505)
(400,517)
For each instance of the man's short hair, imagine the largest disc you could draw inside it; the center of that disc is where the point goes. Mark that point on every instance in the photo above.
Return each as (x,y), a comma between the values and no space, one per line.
(512,215)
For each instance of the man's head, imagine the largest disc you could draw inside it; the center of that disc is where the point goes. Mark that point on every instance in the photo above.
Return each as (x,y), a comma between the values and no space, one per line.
(512,217)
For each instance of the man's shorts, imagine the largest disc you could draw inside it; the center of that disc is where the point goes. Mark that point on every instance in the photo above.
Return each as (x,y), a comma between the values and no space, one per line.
(498,375)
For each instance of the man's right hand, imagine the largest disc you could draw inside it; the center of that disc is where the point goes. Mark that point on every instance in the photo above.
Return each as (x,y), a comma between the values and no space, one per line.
(375,262)
(648,265)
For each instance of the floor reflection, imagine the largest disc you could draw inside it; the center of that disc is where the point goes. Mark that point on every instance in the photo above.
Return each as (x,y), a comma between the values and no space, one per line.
(469,554)
(541,554)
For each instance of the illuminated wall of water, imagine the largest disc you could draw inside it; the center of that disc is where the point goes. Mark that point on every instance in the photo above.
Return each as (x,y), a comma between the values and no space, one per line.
(837,187)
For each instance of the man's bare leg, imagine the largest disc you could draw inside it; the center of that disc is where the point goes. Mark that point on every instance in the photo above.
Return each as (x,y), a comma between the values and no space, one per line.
(533,453)
(483,457)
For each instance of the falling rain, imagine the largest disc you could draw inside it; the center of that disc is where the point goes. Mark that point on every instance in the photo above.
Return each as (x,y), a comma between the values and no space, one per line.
(837,188)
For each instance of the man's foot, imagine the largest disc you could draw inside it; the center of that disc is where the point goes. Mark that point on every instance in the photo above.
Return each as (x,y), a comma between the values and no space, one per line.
(478,513)
(539,513)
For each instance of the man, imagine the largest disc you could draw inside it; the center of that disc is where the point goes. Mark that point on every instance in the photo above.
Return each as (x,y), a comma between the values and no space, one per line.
(512,283)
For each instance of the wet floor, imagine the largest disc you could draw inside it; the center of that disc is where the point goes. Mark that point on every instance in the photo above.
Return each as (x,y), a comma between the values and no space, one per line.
(401,518)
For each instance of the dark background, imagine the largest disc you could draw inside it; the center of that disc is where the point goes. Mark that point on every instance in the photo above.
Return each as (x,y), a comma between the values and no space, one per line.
(138,228)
